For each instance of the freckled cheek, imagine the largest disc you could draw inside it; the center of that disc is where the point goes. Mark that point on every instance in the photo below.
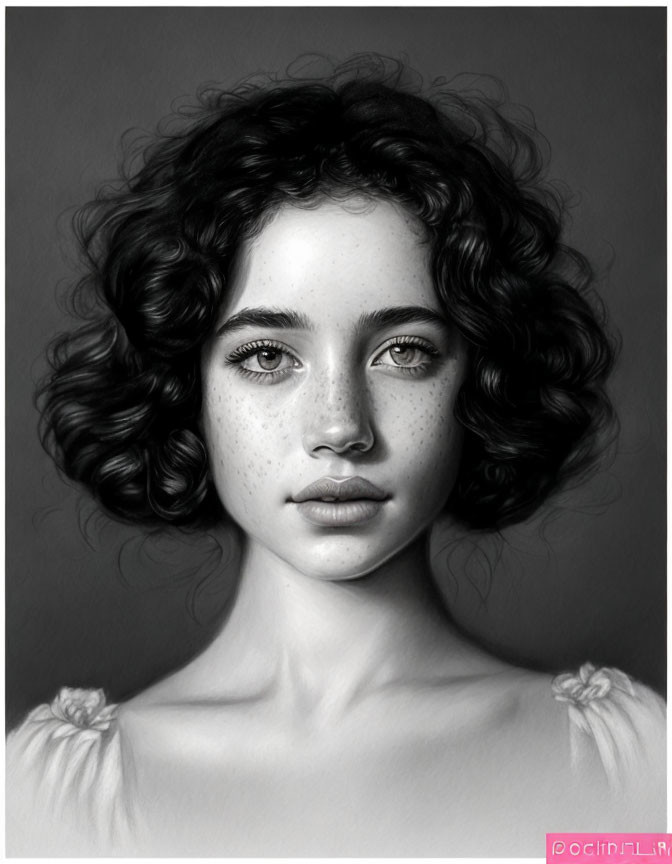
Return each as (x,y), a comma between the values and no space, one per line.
(418,423)
(424,439)
(246,443)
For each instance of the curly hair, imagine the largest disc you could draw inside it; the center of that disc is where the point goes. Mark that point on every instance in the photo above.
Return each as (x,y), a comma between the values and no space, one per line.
(121,404)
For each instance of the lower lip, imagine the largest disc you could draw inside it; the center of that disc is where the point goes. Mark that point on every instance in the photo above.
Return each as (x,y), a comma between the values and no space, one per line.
(339,514)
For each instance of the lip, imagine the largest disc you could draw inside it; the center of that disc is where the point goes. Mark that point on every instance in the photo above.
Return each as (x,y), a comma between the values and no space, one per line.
(334,503)
(343,489)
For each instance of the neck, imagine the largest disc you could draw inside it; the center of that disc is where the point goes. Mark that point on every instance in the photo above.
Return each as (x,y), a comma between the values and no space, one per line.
(318,645)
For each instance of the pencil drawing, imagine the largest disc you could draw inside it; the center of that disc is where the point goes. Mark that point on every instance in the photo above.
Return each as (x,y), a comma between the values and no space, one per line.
(329,310)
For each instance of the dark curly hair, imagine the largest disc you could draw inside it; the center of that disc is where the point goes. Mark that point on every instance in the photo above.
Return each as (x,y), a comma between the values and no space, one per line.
(120,407)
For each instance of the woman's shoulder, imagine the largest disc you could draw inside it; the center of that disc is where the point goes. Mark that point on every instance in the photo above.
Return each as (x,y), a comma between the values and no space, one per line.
(64,772)
(613,731)
(65,739)
(620,718)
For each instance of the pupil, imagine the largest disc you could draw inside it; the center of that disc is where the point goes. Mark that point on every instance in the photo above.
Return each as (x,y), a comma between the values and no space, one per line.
(400,352)
(269,358)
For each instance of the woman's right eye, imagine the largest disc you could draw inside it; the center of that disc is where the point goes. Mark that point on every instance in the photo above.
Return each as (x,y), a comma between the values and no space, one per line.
(263,361)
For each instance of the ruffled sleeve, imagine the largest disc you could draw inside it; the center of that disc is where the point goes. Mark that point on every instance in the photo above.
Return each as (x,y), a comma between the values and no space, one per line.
(64,779)
(624,722)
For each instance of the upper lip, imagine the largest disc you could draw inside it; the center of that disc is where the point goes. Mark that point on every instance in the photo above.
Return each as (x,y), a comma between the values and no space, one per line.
(345,489)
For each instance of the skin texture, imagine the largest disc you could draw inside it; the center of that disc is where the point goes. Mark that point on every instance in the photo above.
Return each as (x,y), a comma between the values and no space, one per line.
(339,405)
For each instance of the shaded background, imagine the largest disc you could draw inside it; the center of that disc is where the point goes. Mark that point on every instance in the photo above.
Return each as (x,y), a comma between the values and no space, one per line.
(97,608)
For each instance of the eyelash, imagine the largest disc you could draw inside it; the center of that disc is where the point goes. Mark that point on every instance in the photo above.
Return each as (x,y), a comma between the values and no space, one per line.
(411,342)
(239,355)
(236,358)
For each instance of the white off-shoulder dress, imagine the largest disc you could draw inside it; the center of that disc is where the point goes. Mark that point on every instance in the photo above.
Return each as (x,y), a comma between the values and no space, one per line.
(71,779)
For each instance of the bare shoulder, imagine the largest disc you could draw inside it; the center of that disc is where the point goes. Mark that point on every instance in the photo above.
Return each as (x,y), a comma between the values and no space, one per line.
(173,722)
(510,710)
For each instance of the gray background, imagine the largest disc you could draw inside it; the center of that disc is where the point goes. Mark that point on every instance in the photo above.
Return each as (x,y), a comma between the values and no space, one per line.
(590,583)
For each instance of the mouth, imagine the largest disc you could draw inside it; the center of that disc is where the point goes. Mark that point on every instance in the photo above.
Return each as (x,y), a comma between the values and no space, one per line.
(335,503)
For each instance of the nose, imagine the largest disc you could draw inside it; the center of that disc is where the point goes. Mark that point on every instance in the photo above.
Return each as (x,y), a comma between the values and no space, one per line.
(338,416)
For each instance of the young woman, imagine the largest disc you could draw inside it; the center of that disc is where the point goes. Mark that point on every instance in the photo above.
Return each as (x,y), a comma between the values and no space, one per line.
(331,311)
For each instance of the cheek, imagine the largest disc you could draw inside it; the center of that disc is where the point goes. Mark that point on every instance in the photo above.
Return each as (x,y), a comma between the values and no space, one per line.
(427,439)
(232,438)
(244,444)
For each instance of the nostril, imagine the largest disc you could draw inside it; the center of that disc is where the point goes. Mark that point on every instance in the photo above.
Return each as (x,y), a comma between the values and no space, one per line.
(339,441)
(341,448)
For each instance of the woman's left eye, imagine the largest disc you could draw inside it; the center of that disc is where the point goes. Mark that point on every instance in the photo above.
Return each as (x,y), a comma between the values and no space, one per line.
(408,355)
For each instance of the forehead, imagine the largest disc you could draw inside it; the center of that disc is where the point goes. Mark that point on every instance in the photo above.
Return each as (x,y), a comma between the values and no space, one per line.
(334,262)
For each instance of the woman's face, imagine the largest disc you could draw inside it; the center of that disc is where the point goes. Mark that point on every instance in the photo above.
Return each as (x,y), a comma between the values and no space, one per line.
(329,388)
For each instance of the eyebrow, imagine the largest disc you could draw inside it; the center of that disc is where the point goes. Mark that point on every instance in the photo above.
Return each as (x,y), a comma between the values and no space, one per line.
(395,315)
(282,319)
(267,318)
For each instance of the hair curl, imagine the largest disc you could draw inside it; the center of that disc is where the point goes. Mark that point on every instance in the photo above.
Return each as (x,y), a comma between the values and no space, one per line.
(120,408)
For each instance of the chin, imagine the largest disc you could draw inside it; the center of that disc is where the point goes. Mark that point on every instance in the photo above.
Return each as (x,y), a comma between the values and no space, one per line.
(343,561)
(329,574)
